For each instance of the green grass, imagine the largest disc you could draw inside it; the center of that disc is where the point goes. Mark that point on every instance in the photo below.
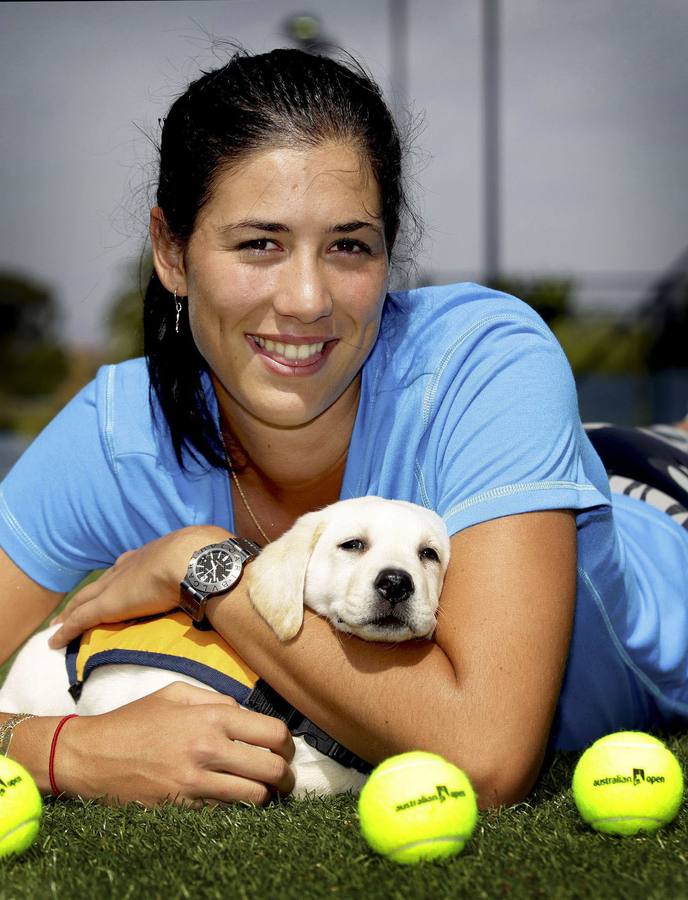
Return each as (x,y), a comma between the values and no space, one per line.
(313,849)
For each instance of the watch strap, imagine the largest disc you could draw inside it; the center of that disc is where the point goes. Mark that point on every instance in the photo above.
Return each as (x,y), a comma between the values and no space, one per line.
(248,547)
(193,603)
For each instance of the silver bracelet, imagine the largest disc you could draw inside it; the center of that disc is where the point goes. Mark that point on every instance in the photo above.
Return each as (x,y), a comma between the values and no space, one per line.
(7,730)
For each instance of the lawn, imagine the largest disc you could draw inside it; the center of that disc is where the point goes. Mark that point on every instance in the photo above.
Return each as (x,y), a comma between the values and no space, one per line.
(313,849)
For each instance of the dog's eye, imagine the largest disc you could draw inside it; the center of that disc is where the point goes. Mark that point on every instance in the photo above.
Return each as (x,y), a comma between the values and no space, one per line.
(429,553)
(355,544)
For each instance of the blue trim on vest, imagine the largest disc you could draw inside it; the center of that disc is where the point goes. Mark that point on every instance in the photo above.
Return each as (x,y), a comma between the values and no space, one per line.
(205,674)
(70,660)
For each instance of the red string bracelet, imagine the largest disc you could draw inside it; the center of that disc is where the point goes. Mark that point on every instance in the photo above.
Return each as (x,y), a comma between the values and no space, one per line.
(51,763)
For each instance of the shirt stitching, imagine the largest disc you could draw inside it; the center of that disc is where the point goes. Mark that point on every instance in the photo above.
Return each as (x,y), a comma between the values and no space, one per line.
(26,540)
(108,430)
(656,691)
(507,490)
(431,391)
(420,480)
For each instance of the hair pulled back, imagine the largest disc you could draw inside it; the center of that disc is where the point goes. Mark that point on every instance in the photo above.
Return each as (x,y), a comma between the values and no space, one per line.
(283,98)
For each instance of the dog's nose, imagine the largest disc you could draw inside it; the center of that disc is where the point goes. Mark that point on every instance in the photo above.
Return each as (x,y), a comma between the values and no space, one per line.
(394,585)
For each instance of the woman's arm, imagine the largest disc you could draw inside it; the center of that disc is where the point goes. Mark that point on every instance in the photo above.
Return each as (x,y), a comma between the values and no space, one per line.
(184,743)
(483,695)
(142,582)
(24,604)
(181,743)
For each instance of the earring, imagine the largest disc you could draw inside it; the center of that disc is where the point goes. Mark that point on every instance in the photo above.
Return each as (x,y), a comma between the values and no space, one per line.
(178,307)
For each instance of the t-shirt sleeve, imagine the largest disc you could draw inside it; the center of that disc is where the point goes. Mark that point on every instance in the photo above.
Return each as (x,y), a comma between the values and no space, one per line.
(93,484)
(51,502)
(502,411)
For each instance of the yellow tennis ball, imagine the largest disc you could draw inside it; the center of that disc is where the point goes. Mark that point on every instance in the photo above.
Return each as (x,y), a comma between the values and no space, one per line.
(417,806)
(20,808)
(628,782)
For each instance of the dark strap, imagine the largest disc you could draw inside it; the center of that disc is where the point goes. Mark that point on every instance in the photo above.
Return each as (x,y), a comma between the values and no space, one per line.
(265,700)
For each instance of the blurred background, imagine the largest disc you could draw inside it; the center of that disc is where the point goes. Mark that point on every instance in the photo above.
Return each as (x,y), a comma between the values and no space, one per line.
(550,159)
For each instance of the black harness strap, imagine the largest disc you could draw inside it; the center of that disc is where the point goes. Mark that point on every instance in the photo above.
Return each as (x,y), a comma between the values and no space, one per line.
(265,699)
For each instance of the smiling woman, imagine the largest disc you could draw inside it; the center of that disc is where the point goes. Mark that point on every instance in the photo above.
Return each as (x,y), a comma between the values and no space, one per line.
(304,304)
(281,375)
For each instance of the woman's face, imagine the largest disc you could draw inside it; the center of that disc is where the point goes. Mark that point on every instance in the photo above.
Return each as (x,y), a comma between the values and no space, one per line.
(286,273)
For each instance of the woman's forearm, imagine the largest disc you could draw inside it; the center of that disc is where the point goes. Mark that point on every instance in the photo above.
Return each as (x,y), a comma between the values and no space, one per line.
(169,745)
(376,699)
(30,746)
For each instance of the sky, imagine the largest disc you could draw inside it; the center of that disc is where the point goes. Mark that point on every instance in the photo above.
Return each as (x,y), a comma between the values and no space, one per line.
(594,150)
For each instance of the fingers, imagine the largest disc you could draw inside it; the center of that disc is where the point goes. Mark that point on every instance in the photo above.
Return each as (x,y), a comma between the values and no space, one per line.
(238,723)
(75,624)
(117,596)
(137,584)
(84,596)
(218,788)
(78,619)
(262,731)
(252,764)
(253,759)
(182,743)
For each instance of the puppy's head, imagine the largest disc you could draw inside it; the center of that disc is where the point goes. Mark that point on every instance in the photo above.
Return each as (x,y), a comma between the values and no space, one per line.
(373,567)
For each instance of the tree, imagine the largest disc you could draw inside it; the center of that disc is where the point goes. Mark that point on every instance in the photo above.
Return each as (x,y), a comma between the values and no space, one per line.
(550,297)
(591,343)
(668,313)
(125,318)
(34,362)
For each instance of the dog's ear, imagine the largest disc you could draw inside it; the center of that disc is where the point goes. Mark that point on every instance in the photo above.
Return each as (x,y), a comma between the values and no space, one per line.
(276,579)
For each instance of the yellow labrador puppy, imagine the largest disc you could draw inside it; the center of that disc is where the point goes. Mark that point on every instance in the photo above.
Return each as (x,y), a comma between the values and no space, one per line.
(373,567)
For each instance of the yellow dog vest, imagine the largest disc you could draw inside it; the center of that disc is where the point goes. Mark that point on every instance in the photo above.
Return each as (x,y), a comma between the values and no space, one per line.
(171,642)
(163,642)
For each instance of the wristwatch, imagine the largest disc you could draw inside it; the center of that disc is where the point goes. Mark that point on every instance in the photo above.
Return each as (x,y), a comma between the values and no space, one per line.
(214,569)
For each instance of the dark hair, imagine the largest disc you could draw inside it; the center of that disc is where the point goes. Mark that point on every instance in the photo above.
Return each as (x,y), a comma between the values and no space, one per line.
(282,98)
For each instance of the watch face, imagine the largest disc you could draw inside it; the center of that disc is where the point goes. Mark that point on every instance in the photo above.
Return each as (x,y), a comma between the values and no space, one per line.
(215,569)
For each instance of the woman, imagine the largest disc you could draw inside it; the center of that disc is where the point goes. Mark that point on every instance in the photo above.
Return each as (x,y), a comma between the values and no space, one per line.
(279,205)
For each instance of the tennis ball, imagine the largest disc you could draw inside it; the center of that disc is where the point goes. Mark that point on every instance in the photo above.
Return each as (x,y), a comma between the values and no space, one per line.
(20,808)
(628,782)
(417,806)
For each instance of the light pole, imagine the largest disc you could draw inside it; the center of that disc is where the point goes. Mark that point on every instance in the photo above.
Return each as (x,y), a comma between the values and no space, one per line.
(491,139)
(306,31)
(398,52)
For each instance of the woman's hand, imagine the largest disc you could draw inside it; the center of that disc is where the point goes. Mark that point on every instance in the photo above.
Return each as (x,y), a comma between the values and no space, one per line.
(142,582)
(182,743)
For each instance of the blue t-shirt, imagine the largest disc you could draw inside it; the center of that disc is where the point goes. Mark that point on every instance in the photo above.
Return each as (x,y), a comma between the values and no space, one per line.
(468,406)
